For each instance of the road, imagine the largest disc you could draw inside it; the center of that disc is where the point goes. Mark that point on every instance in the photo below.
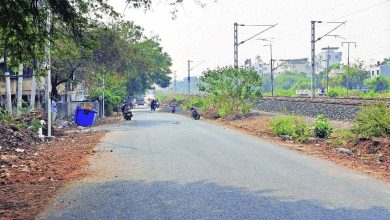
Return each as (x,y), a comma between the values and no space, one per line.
(165,166)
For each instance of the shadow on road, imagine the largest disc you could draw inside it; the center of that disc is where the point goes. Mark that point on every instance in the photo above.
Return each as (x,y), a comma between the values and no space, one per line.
(198,200)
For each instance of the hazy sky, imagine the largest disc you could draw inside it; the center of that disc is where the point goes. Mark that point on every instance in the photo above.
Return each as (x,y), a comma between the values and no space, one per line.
(207,33)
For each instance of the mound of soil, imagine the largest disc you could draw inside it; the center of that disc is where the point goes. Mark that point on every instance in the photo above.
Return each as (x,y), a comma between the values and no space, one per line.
(377,150)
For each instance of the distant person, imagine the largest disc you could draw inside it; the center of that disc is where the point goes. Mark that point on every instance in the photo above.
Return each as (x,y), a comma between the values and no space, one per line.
(173,106)
(153,105)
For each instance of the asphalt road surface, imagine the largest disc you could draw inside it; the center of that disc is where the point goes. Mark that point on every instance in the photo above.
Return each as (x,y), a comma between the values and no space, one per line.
(165,166)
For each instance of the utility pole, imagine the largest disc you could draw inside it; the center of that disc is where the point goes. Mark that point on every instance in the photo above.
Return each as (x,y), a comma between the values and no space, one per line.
(104,87)
(313,46)
(236,44)
(189,76)
(313,53)
(272,71)
(342,44)
(327,71)
(174,82)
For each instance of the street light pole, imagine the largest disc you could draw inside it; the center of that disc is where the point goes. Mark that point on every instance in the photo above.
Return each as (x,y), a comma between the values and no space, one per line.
(327,71)
(272,71)
(189,76)
(342,44)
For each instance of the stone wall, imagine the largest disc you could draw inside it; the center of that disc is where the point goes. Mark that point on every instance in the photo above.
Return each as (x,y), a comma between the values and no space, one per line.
(305,107)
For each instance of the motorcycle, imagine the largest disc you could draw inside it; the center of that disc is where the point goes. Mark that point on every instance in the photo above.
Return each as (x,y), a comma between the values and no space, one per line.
(127,114)
(194,113)
(173,108)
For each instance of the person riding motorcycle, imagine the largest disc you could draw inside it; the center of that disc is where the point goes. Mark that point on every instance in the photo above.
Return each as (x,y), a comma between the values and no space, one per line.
(126,111)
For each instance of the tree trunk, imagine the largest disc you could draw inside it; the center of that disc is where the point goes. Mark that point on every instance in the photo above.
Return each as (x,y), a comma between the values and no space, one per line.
(20,89)
(33,90)
(8,92)
(7,83)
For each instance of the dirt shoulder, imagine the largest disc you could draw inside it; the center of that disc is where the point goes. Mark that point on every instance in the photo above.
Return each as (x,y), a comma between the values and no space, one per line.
(29,179)
(367,156)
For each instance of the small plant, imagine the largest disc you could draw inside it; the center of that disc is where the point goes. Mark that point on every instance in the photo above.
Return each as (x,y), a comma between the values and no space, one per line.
(321,127)
(35,125)
(332,93)
(344,138)
(373,120)
(292,126)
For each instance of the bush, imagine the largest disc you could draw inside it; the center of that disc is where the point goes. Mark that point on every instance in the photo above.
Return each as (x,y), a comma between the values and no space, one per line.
(332,93)
(321,127)
(292,126)
(373,120)
(231,91)
(344,138)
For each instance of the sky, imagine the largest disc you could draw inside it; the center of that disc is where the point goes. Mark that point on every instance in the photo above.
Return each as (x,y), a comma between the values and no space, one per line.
(205,34)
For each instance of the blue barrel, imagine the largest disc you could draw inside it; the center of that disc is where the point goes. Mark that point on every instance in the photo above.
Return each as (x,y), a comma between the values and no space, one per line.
(84,117)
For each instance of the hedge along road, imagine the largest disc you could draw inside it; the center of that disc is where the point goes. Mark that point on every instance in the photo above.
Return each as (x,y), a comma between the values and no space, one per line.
(165,166)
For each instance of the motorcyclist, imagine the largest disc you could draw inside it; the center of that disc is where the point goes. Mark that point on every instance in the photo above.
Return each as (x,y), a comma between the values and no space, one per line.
(194,113)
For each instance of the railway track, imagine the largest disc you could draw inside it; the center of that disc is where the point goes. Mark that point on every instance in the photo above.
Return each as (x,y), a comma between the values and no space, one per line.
(328,100)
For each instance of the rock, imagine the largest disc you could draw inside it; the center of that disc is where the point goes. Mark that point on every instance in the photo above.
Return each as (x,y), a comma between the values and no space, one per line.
(344,151)
(8,159)
(19,150)
(382,158)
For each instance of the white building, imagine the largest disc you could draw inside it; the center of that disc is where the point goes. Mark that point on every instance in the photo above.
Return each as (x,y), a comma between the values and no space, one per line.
(261,67)
(327,54)
(301,65)
(378,69)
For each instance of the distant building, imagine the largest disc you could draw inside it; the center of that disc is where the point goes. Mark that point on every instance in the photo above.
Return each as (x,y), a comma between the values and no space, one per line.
(261,67)
(327,54)
(301,65)
(378,69)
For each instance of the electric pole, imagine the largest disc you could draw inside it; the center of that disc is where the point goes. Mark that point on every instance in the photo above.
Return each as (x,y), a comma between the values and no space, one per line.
(189,76)
(236,44)
(313,53)
(313,48)
(272,70)
(342,44)
(174,82)
(327,71)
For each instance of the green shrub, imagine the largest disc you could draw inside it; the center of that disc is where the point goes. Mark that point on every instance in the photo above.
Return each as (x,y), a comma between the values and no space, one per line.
(373,120)
(197,102)
(232,91)
(35,125)
(321,127)
(292,126)
(332,93)
(344,138)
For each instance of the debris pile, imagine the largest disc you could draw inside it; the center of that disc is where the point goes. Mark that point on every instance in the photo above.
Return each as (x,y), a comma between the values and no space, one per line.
(20,132)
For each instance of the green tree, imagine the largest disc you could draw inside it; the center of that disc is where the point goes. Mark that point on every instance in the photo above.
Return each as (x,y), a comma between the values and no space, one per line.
(232,91)
(377,84)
